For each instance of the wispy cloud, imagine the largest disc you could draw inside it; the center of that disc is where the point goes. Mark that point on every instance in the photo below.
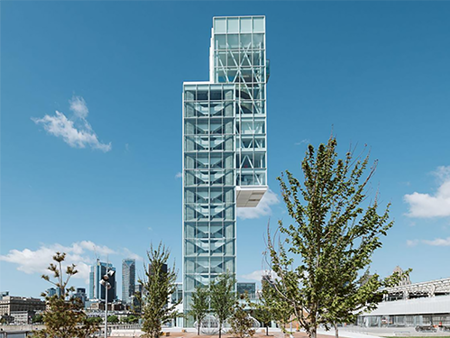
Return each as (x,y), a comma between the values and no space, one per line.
(257,275)
(434,242)
(429,205)
(304,141)
(129,254)
(76,132)
(263,208)
(412,242)
(178,175)
(37,261)
(439,242)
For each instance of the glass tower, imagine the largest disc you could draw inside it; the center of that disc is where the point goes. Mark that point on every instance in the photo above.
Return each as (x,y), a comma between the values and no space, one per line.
(128,279)
(224,148)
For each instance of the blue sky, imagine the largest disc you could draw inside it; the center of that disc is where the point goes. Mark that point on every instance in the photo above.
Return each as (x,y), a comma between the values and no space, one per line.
(376,73)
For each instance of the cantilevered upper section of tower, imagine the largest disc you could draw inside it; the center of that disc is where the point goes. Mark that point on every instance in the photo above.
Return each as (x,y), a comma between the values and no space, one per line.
(238,63)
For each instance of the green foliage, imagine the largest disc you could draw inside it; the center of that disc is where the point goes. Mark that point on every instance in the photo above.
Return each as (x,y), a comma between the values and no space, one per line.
(270,307)
(130,319)
(240,321)
(64,317)
(113,319)
(37,319)
(157,287)
(222,298)
(199,305)
(332,240)
(95,320)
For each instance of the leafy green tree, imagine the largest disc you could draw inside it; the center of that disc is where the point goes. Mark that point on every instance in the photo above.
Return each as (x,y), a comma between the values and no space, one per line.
(222,298)
(64,317)
(319,257)
(264,310)
(37,319)
(95,320)
(199,305)
(158,285)
(240,320)
(113,319)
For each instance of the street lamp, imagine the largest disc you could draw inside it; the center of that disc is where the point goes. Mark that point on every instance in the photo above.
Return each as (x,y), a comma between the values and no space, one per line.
(107,285)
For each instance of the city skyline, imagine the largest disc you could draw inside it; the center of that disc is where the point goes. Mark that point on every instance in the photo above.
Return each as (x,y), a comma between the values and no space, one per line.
(101,177)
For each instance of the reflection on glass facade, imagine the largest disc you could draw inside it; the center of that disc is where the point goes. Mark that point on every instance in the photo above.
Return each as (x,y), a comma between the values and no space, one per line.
(224,148)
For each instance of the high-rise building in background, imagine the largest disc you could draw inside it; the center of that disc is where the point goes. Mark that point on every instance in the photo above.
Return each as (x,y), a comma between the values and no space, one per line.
(96,290)
(128,280)
(224,148)
(81,295)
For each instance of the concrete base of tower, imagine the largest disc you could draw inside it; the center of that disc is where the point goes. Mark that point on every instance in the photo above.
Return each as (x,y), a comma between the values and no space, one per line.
(248,196)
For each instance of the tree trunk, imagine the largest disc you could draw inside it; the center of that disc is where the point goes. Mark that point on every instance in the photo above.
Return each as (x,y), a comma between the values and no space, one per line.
(336,331)
(313,332)
(220,330)
(198,326)
(267,330)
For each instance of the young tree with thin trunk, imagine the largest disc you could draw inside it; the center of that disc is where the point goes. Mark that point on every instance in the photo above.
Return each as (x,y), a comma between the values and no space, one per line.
(222,298)
(320,256)
(240,321)
(64,317)
(158,285)
(199,305)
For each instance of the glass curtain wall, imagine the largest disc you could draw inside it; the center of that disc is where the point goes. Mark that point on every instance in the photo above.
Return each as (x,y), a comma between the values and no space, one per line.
(224,146)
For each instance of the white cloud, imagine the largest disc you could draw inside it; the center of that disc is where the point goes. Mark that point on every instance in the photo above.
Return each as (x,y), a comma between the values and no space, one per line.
(178,175)
(129,254)
(263,208)
(438,242)
(304,141)
(412,242)
(437,205)
(257,275)
(37,261)
(76,132)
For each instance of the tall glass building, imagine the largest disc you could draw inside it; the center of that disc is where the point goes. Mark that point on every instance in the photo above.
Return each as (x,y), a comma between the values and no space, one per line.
(96,290)
(224,148)
(128,279)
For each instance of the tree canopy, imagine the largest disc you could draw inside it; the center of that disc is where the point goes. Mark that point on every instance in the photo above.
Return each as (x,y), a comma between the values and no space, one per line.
(158,285)
(322,257)
(64,317)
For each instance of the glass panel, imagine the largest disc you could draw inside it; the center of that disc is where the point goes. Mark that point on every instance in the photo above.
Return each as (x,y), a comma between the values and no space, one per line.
(219,25)
(246,25)
(233,25)
(233,41)
(220,41)
(258,24)
(246,40)
(258,41)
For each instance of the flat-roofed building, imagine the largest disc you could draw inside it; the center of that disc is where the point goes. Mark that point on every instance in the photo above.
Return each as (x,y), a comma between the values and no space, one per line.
(9,304)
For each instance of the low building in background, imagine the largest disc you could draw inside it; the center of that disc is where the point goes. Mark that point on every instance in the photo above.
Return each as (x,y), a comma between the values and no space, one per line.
(23,317)
(247,287)
(10,304)
(412,304)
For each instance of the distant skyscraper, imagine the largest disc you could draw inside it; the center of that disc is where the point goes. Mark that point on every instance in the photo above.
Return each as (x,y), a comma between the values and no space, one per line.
(224,148)
(128,279)
(81,295)
(96,290)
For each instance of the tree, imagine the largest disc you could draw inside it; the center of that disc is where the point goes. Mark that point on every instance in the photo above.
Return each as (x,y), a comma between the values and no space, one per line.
(158,285)
(331,240)
(113,319)
(38,318)
(264,310)
(222,298)
(240,321)
(199,305)
(64,317)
